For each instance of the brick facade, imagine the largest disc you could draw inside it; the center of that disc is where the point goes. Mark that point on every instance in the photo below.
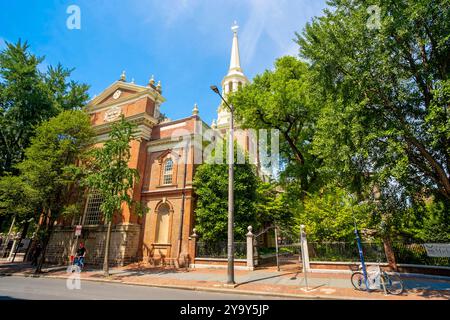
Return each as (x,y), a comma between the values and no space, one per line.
(170,203)
(133,237)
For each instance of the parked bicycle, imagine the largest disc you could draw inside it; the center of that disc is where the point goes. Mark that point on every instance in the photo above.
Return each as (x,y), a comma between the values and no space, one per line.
(377,279)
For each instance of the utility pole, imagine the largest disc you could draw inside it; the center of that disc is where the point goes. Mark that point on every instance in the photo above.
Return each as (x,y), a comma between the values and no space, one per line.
(230,272)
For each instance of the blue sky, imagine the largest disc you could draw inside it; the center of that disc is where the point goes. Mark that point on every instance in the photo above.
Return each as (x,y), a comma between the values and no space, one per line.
(185,43)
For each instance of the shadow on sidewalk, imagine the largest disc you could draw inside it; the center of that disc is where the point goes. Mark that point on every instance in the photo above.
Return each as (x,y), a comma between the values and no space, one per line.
(25,268)
(9,298)
(433,294)
(122,273)
(16,267)
(265,278)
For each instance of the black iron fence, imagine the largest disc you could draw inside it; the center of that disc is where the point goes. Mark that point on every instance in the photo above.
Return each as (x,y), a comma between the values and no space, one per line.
(373,252)
(330,251)
(345,251)
(416,253)
(220,250)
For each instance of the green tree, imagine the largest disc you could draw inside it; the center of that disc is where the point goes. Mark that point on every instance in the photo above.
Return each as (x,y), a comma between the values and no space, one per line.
(50,166)
(330,215)
(17,197)
(28,97)
(18,202)
(211,188)
(385,93)
(281,99)
(110,175)
(272,207)
(436,223)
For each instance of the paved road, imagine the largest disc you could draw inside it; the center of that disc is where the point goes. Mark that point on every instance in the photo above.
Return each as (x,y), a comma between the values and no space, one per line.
(45,288)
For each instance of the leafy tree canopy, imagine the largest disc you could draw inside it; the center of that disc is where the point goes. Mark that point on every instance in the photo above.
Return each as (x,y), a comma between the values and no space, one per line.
(28,97)
(17,197)
(50,165)
(211,188)
(280,99)
(385,93)
(331,214)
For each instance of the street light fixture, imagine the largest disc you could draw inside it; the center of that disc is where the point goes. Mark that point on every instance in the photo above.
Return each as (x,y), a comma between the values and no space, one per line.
(230,272)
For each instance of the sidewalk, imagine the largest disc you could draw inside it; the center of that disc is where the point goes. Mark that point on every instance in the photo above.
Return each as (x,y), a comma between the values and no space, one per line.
(262,282)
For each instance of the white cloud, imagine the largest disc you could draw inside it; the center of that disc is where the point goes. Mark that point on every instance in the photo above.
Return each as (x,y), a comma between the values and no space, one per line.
(275,21)
(170,10)
(264,24)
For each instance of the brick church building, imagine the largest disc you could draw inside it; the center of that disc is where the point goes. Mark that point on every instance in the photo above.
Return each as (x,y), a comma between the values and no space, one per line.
(165,185)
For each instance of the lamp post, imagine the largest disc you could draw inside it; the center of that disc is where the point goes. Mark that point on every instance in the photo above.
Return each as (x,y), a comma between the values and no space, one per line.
(230,272)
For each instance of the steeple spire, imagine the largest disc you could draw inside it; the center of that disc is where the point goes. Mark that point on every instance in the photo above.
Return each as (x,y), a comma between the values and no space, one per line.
(235,63)
(233,80)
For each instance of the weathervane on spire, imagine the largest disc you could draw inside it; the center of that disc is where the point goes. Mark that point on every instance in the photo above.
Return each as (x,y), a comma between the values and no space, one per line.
(235,27)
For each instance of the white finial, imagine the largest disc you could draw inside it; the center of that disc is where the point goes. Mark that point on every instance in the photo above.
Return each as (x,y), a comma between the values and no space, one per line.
(151,81)
(158,86)
(132,80)
(214,125)
(195,110)
(122,76)
(235,27)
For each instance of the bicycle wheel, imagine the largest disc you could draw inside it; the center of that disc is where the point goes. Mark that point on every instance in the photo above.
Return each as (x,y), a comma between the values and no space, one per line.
(393,284)
(358,281)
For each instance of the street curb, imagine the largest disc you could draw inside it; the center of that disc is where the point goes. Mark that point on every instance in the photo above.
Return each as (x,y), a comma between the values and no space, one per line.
(196,288)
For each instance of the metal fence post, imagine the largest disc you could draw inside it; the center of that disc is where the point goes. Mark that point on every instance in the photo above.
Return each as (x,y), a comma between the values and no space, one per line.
(250,240)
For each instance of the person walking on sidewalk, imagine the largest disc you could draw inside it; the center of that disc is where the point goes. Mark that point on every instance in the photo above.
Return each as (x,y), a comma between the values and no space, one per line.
(36,254)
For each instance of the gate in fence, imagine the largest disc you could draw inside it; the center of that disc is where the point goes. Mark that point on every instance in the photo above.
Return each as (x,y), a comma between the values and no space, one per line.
(278,247)
(288,248)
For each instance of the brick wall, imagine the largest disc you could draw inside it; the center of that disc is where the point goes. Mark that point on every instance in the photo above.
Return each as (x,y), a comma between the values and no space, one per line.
(123,248)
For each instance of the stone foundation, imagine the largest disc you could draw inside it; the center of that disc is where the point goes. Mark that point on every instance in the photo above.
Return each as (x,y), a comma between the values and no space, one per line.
(123,248)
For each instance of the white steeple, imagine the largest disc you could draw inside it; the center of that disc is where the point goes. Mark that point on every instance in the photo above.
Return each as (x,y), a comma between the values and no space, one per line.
(235,63)
(235,75)
(234,79)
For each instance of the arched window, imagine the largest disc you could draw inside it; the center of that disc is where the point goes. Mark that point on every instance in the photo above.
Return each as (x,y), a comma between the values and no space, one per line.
(239,85)
(230,86)
(162,224)
(168,171)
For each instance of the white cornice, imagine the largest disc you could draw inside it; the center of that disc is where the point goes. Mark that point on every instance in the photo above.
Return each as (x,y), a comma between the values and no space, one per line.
(144,122)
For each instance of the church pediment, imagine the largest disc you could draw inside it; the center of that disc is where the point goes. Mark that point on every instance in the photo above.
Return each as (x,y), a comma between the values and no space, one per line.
(121,91)
(118,94)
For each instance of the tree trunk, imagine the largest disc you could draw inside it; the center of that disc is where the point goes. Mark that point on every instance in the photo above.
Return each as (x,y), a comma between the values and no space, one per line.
(108,240)
(389,251)
(48,234)
(32,246)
